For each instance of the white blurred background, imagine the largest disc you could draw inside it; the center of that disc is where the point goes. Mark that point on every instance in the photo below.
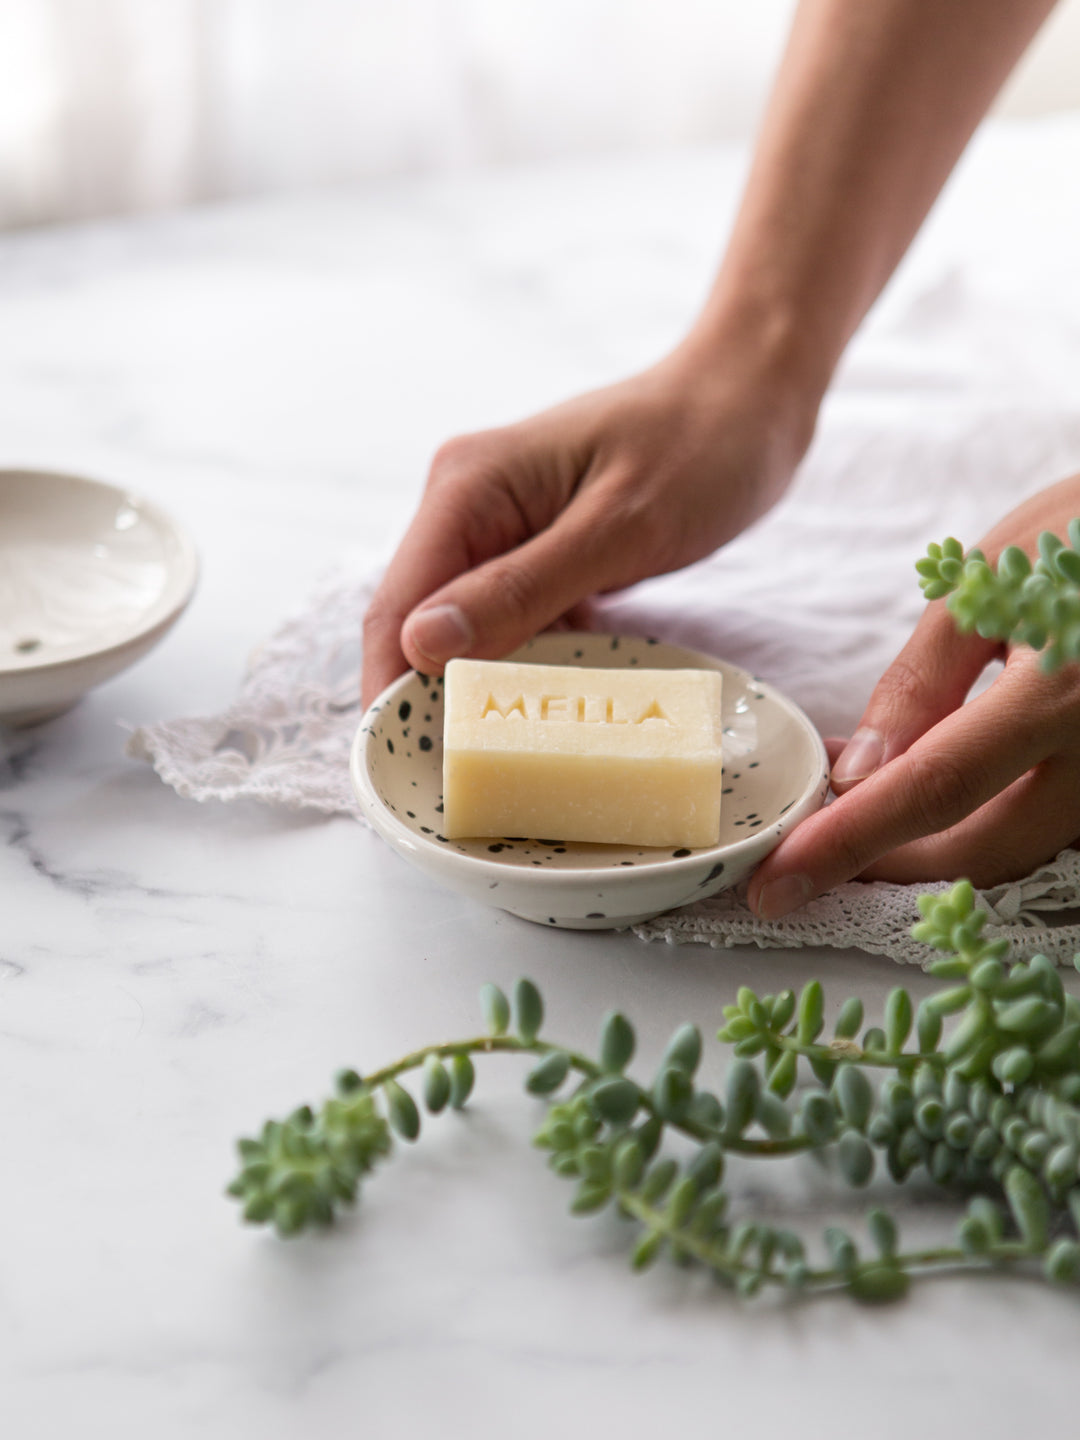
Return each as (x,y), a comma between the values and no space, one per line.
(111,106)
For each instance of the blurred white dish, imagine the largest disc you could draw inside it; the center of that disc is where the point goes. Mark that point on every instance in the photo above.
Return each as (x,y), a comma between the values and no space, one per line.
(91,577)
(775,773)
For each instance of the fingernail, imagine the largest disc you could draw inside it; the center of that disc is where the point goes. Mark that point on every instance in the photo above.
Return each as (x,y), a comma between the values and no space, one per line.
(441,632)
(861,756)
(780,897)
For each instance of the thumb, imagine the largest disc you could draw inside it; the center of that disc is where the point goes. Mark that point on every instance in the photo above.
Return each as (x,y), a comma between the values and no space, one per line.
(928,680)
(490,610)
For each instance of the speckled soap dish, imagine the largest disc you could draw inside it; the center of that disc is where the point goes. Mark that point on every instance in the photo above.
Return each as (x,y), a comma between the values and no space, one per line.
(775,773)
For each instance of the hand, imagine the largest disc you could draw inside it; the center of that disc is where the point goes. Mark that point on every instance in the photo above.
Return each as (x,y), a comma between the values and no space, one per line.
(932,789)
(519,525)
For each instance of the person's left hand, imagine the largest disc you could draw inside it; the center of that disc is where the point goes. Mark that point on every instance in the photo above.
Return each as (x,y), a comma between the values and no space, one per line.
(930,788)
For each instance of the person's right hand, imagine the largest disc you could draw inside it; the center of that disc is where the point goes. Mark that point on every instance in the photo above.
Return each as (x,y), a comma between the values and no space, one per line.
(519,525)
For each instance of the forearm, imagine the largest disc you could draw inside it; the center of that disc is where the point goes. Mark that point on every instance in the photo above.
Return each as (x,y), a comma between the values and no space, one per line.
(873,104)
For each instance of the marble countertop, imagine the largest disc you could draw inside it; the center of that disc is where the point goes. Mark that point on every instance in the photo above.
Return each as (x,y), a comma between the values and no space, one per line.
(277,374)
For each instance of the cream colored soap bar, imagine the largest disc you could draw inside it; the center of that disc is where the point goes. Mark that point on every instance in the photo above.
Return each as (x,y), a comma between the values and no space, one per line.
(623,757)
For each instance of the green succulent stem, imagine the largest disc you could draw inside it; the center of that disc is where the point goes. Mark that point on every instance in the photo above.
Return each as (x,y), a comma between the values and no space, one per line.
(718,1258)
(993,1104)
(474,1045)
(849,1052)
(590,1070)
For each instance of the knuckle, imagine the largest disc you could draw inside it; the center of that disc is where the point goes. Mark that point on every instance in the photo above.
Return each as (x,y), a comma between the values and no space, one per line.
(456,458)
(904,687)
(941,790)
(849,855)
(514,592)
(992,864)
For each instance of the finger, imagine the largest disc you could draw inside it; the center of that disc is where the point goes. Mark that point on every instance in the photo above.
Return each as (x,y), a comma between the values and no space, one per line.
(946,775)
(1029,823)
(834,748)
(469,513)
(928,680)
(429,554)
(493,608)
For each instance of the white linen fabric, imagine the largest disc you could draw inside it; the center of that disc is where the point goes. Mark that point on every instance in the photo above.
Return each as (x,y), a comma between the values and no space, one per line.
(962,398)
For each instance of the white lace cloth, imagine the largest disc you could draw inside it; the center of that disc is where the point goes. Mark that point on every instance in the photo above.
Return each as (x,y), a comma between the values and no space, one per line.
(963,397)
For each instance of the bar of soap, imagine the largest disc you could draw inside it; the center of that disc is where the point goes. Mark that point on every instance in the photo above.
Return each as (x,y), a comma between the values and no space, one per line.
(618,757)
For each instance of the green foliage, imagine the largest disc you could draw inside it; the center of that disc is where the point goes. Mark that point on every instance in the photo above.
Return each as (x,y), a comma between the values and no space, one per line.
(1036,605)
(989,1102)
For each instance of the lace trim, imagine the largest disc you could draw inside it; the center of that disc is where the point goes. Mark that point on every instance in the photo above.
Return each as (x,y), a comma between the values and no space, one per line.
(878,917)
(286,739)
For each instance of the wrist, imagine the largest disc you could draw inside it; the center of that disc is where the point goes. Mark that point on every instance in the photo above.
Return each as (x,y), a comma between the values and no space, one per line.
(774,342)
(754,359)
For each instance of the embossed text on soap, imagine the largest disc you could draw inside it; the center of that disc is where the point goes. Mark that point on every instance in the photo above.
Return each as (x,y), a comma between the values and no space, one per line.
(574,709)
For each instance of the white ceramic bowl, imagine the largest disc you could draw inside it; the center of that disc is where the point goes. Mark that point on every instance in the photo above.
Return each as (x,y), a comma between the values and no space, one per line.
(91,577)
(775,773)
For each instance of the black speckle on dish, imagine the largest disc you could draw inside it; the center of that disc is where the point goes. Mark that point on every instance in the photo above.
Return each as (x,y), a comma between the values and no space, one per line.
(515,839)
(726,790)
(633,659)
(736,775)
(410,814)
(596,915)
(753,764)
(426,830)
(752,815)
(438,809)
(787,807)
(424,679)
(538,862)
(404,710)
(494,885)
(754,824)
(560,849)
(496,848)
(405,732)
(435,694)
(390,745)
(651,640)
(551,920)
(408,754)
(614,642)
(717,869)
(424,742)
(443,837)
(413,783)
(578,654)
(740,822)
(548,844)
(678,854)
